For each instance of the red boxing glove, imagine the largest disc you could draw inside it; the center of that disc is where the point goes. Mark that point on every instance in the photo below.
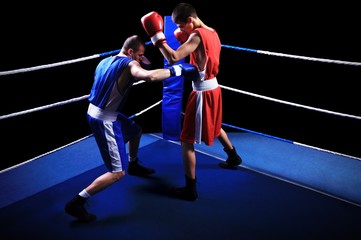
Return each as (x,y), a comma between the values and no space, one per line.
(153,24)
(181,36)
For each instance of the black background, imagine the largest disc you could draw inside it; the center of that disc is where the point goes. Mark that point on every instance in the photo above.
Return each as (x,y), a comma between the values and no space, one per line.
(36,34)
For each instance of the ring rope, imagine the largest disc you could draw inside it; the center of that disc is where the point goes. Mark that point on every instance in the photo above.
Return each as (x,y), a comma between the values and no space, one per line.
(293,104)
(2,73)
(289,141)
(56,105)
(294,56)
(225,87)
(30,69)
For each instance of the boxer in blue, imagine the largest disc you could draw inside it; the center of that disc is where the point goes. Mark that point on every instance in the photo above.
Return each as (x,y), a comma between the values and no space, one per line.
(112,130)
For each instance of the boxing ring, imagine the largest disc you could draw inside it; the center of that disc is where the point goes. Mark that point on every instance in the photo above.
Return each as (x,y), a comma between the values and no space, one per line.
(334,175)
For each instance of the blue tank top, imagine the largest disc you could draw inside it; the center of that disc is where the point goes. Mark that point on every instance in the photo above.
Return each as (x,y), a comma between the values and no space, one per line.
(105,83)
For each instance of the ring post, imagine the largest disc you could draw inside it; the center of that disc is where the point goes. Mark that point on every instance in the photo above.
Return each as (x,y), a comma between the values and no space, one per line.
(172,91)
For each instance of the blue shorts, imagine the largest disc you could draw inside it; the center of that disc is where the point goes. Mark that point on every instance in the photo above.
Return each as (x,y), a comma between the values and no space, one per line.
(111,137)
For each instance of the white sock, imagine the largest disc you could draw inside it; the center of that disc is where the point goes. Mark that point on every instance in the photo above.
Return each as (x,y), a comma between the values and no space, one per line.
(84,194)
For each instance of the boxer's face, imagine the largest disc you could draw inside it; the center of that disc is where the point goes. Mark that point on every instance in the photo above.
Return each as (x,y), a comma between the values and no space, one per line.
(186,26)
(137,55)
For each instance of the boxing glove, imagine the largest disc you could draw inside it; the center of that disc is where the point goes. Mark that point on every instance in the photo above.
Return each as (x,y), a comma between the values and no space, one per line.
(180,35)
(153,24)
(189,71)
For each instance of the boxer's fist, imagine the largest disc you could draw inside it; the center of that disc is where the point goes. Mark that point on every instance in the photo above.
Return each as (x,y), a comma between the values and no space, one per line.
(153,24)
(189,71)
(181,36)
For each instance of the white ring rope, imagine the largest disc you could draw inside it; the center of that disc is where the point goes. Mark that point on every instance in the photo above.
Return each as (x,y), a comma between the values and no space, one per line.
(225,87)
(294,56)
(309,58)
(43,107)
(30,69)
(3,73)
(293,104)
(55,105)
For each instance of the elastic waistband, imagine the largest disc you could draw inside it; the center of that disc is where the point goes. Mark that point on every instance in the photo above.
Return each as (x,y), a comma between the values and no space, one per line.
(209,84)
(99,113)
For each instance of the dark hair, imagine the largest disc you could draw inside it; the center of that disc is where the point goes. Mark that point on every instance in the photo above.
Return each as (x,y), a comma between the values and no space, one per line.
(134,42)
(182,11)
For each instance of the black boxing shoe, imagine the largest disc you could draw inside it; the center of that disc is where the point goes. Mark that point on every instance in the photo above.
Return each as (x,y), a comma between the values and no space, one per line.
(189,192)
(184,193)
(232,161)
(75,208)
(135,169)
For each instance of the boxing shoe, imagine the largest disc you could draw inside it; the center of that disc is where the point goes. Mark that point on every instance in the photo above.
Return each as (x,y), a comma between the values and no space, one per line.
(233,159)
(135,169)
(75,208)
(189,192)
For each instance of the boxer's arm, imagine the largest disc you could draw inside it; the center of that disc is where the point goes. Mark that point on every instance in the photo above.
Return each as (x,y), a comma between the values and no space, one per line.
(173,56)
(154,75)
(187,70)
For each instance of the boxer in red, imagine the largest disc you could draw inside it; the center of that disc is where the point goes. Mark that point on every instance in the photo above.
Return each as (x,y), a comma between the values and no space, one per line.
(203,114)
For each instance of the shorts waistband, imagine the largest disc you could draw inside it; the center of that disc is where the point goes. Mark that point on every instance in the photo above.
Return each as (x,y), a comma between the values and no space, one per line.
(101,114)
(205,85)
